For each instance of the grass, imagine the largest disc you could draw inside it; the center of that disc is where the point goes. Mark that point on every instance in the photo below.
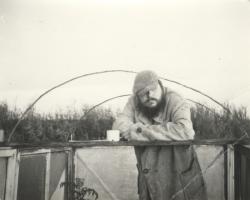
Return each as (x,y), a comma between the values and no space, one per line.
(211,124)
(207,123)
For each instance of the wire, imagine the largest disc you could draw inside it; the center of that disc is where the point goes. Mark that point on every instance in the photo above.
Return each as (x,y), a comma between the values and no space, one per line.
(92,108)
(53,88)
(198,91)
(96,73)
(126,95)
(99,104)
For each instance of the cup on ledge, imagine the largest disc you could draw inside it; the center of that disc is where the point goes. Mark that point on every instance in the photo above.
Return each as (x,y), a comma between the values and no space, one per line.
(113,135)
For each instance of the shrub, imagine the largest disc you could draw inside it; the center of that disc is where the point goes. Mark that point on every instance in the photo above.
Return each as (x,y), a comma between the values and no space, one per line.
(83,125)
(210,124)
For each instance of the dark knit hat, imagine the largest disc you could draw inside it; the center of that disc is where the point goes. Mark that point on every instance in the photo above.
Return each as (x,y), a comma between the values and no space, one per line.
(145,80)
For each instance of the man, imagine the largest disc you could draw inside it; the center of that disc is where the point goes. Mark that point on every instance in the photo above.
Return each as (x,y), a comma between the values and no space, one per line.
(152,113)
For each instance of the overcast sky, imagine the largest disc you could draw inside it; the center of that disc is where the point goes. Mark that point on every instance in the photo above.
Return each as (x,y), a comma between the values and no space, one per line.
(203,44)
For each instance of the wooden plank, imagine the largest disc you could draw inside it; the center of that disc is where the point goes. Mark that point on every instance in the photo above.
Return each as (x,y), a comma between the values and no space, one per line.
(42,150)
(225,149)
(47,176)
(237,172)
(244,150)
(7,153)
(89,143)
(230,172)
(247,183)
(18,156)
(26,152)
(243,172)
(11,177)
(5,147)
(70,174)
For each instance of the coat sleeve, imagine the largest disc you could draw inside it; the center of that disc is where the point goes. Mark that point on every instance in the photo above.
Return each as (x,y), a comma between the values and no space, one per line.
(125,119)
(179,128)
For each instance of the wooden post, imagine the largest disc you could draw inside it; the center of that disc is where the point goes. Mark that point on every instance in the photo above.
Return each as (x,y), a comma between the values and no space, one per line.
(12,173)
(47,175)
(70,174)
(230,172)
(237,173)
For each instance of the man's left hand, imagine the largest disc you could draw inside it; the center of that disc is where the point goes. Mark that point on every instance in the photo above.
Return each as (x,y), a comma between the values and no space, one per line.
(136,132)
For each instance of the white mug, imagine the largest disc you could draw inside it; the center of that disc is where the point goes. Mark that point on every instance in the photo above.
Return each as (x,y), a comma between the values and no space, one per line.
(113,135)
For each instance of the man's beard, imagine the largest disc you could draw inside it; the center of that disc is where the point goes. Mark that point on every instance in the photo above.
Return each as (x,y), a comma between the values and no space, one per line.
(151,112)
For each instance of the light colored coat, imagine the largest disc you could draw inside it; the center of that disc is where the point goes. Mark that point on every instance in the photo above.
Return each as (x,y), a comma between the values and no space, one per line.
(165,172)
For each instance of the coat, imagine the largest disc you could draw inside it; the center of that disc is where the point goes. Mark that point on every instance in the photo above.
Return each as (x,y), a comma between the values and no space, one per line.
(165,172)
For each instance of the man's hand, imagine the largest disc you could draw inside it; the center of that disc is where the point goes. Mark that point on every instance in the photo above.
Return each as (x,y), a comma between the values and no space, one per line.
(141,132)
(136,132)
(131,131)
(137,127)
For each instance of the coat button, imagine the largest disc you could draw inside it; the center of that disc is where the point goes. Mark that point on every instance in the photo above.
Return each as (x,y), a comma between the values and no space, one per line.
(145,171)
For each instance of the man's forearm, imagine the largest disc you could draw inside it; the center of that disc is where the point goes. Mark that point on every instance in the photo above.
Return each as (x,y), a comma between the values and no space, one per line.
(170,131)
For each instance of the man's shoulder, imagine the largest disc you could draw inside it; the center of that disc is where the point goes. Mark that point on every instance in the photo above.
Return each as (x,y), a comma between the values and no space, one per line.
(172,94)
(174,99)
(132,100)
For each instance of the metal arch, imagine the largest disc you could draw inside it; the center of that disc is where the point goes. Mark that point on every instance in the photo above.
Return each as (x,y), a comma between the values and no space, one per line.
(95,73)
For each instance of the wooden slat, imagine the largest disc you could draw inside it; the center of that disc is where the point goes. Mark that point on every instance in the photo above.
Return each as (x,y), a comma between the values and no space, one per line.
(243,150)
(230,172)
(42,150)
(16,175)
(237,173)
(70,173)
(47,176)
(26,152)
(89,143)
(7,153)
(11,177)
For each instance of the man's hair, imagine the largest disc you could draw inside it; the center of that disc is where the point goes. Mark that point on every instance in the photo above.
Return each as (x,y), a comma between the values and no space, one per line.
(151,112)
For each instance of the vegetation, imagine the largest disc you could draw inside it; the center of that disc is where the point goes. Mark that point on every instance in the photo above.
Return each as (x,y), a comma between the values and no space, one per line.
(211,124)
(58,127)
(208,124)
(81,192)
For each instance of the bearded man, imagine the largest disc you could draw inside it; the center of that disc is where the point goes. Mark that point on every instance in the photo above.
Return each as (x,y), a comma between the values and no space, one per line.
(155,112)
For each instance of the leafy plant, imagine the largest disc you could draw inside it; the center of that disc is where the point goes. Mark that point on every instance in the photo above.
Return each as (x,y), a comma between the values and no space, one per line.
(81,192)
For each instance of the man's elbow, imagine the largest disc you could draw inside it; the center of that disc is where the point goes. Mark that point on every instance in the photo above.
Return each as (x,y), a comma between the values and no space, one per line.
(188,131)
(190,134)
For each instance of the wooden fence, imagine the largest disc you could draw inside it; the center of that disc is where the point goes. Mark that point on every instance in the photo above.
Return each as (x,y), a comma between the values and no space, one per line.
(37,171)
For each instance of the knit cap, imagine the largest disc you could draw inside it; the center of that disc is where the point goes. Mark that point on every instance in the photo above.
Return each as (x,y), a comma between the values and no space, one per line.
(145,80)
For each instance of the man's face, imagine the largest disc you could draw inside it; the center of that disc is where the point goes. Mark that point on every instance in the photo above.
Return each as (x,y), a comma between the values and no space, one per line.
(151,97)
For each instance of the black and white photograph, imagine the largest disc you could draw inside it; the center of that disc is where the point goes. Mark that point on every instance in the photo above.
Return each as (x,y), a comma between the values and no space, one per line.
(124,100)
